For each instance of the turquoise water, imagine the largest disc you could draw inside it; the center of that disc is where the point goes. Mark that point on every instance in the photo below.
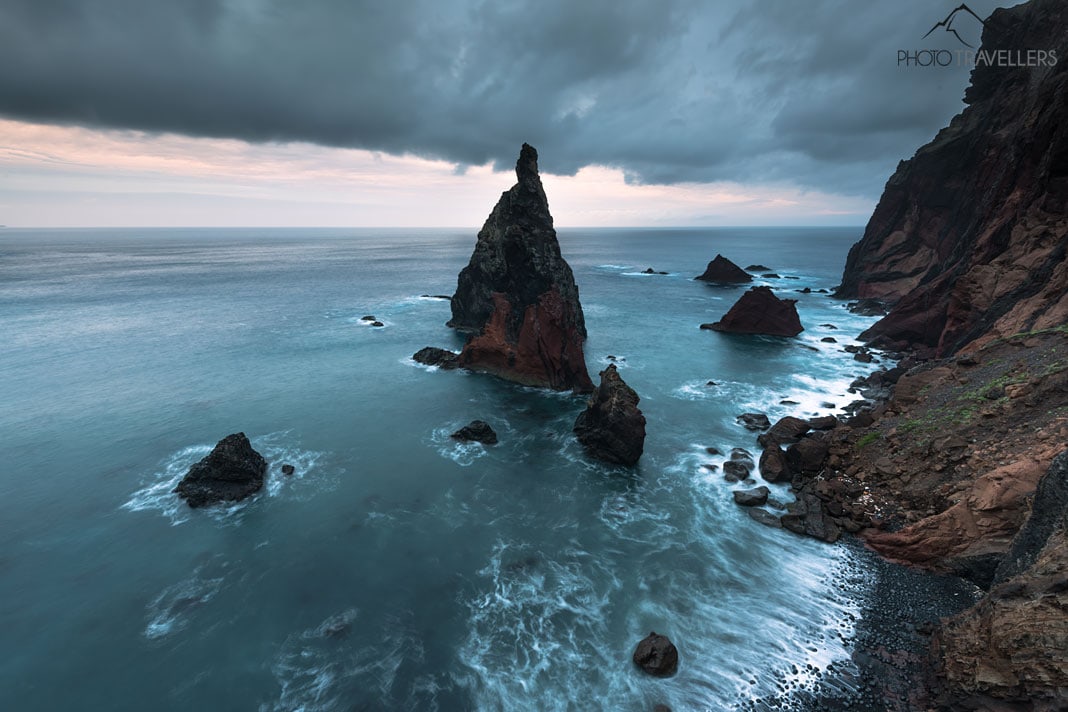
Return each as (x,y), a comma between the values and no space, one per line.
(397,569)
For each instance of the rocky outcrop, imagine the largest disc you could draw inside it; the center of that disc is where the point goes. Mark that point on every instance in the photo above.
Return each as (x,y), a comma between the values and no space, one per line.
(751,498)
(477,431)
(231,472)
(724,271)
(1012,647)
(759,311)
(656,655)
(517,297)
(969,241)
(433,356)
(612,428)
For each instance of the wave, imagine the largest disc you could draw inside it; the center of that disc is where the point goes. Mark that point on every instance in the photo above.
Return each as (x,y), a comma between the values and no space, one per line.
(170,610)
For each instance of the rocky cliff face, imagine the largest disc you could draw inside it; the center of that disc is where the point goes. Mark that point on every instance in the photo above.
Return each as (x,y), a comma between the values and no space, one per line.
(517,296)
(969,241)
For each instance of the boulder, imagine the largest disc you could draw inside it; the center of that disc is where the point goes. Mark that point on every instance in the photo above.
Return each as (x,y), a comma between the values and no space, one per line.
(724,271)
(807,455)
(758,268)
(433,356)
(288,470)
(806,516)
(759,311)
(786,430)
(773,464)
(517,298)
(612,428)
(754,421)
(231,472)
(656,655)
(825,422)
(752,497)
(765,517)
(476,431)
(736,470)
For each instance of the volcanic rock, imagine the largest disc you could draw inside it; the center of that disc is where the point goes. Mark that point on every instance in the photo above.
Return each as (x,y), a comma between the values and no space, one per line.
(656,655)
(968,241)
(612,428)
(517,296)
(754,421)
(807,455)
(806,516)
(759,311)
(433,356)
(751,498)
(723,270)
(231,472)
(774,467)
(476,431)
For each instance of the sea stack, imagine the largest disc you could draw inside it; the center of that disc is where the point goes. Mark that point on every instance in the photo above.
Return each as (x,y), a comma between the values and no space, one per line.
(968,242)
(723,270)
(612,428)
(759,311)
(231,472)
(517,296)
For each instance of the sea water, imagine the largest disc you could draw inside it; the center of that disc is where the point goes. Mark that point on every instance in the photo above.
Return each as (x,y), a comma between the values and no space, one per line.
(397,569)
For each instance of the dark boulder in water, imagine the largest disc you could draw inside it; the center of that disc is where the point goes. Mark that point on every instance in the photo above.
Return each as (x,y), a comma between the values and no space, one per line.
(231,472)
(657,655)
(765,517)
(723,270)
(477,431)
(369,317)
(751,498)
(758,268)
(288,470)
(785,430)
(807,455)
(433,356)
(759,311)
(754,421)
(774,466)
(517,298)
(377,323)
(612,428)
(650,270)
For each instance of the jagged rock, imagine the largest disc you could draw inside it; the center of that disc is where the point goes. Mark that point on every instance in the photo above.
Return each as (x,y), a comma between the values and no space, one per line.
(656,655)
(477,431)
(774,466)
(754,421)
(968,239)
(517,296)
(759,311)
(231,472)
(612,428)
(751,498)
(786,430)
(723,270)
(1048,507)
(433,356)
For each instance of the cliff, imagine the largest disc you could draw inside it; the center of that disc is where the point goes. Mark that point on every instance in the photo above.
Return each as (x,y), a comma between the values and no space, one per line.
(517,296)
(970,239)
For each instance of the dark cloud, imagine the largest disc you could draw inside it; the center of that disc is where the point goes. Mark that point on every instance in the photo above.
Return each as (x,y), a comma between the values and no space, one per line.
(807,93)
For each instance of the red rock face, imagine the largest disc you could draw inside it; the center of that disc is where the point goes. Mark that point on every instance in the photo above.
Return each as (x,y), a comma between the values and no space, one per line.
(547,352)
(517,296)
(759,311)
(969,240)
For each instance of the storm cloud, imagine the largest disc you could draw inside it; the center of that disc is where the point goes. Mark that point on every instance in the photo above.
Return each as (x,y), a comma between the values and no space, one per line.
(767,91)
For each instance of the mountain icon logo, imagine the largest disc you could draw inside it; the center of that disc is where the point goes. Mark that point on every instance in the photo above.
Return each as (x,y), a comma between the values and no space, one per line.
(947,24)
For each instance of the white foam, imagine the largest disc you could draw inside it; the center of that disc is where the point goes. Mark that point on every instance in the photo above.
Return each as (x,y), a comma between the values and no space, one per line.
(170,610)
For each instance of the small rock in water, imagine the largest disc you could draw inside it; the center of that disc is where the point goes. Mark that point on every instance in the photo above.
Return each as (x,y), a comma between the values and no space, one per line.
(711,383)
(477,431)
(231,472)
(828,404)
(369,317)
(713,451)
(661,708)
(829,340)
(751,498)
(770,275)
(828,326)
(657,655)
(788,402)
(377,323)
(736,470)
(765,517)
(754,421)
(433,356)
(757,268)
(288,470)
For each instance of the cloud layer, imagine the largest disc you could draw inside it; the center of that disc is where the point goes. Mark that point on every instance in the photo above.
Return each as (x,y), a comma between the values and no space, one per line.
(766,91)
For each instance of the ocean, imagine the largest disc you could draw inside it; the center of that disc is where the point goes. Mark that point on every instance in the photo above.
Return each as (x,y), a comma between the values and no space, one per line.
(397,569)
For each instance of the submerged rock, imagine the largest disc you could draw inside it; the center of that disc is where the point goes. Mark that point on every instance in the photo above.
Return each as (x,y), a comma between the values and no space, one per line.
(656,655)
(477,431)
(612,428)
(517,296)
(723,270)
(231,472)
(759,311)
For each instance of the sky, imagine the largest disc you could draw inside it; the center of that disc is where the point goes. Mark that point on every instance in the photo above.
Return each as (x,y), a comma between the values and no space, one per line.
(361,113)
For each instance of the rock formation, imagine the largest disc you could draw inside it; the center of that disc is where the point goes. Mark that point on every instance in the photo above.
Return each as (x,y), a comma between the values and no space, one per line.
(656,655)
(612,428)
(230,472)
(969,241)
(759,311)
(517,297)
(723,270)
(477,431)
(433,356)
